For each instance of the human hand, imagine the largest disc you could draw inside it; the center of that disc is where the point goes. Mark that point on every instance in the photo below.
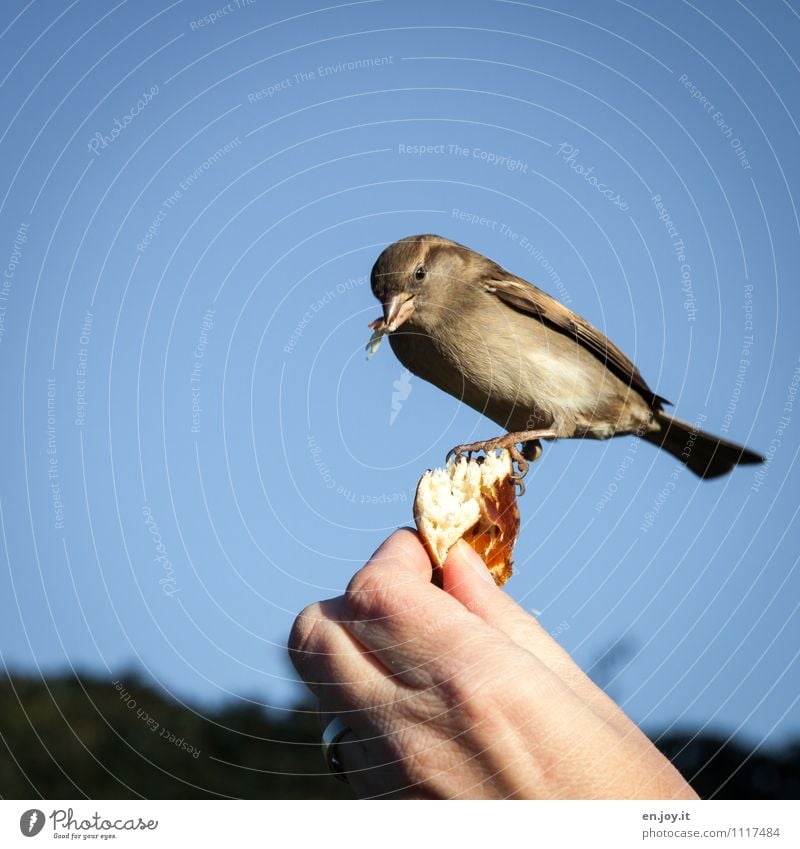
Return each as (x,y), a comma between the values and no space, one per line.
(462,694)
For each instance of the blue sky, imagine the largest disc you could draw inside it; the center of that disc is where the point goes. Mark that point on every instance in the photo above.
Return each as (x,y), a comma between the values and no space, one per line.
(194,445)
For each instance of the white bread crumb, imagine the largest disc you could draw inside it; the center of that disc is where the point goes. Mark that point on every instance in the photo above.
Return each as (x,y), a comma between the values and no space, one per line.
(449,500)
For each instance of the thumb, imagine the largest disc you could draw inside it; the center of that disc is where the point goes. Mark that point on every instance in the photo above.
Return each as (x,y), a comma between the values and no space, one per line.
(466,577)
(468,580)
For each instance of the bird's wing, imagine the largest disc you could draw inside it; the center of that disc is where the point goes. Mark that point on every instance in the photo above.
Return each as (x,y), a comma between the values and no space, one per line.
(528,299)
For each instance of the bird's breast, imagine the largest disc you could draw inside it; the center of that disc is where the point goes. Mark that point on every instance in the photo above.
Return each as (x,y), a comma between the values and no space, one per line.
(517,372)
(518,383)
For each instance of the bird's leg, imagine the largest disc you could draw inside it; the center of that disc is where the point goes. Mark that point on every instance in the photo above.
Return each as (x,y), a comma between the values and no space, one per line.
(508,442)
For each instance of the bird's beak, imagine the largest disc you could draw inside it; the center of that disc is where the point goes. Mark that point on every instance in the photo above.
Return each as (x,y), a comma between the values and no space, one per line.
(397,310)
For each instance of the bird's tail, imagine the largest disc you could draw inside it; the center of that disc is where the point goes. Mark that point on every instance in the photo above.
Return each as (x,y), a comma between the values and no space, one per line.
(706,455)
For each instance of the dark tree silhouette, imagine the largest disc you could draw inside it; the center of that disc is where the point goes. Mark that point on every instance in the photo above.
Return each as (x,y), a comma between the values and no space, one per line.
(76,736)
(79,736)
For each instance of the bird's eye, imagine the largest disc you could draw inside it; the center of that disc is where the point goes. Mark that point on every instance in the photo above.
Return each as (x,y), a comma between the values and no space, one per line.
(420,273)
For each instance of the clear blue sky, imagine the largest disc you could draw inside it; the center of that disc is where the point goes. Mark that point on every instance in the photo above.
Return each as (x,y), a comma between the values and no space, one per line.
(194,446)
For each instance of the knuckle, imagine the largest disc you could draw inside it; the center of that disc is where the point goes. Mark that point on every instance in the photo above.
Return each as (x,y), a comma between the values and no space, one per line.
(371,594)
(305,636)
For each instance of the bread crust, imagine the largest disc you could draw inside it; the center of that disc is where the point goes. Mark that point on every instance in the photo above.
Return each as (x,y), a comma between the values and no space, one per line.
(492,535)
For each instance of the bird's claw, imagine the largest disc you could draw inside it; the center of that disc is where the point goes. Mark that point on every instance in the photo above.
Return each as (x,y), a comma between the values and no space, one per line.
(461,451)
(522,469)
(520,464)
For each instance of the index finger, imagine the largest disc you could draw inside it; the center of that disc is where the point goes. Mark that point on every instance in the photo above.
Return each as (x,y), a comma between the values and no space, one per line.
(416,630)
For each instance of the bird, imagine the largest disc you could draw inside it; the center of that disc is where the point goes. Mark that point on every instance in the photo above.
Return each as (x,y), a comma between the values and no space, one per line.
(520,357)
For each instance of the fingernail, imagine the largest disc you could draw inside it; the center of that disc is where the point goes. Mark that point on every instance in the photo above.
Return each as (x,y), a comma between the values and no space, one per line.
(468,553)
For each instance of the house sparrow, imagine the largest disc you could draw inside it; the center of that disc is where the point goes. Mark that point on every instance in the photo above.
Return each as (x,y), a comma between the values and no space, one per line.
(518,356)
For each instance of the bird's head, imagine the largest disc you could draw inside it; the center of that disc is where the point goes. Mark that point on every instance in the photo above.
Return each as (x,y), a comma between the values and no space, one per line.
(417,277)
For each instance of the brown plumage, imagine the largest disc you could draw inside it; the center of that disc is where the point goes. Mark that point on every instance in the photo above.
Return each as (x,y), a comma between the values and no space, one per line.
(517,355)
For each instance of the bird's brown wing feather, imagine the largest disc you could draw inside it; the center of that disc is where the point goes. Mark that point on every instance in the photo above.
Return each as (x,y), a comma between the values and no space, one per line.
(528,299)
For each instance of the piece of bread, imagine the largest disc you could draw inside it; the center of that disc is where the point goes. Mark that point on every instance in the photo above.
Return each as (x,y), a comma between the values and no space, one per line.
(471,499)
